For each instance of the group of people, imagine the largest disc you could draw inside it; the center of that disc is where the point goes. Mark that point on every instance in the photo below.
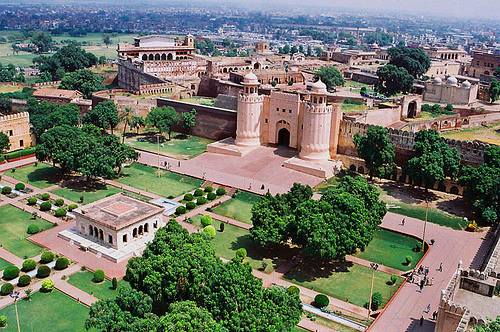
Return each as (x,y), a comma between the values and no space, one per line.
(421,277)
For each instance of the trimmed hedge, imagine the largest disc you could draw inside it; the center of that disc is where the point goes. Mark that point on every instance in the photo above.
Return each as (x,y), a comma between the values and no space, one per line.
(45,206)
(32,200)
(376,300)
(43,272)
(71,207)
(188,197)
(61,263)
(10,272)
(206,220)
(293,290)
(45,196)
(6,190)
(47,286)
(61,212)
(47,257)
(6,289)
(59,202)
(198,192)
(24,280)
(20,153)
(201,200)
(211,196)
(210,231)
(33,229)
(321,301)
(209,189)
(180,210)
(98,276)
(29,265)
(19,186)
(190,205)
(220,191)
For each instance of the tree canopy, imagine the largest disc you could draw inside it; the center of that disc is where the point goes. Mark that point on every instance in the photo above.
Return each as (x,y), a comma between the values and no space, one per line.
(163,119)
(45,115)
(4,142)
(343,220)
(185,287)
(490,326)
(42,40)
(189,121)
(377,150)
(433,159)
(82,80)
(482,186)
(494,90)
(393,80)
(414,60)
(104,115)
(331,76)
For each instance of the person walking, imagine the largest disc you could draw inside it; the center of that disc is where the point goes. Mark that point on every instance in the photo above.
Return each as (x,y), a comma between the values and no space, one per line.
(422,320)
(441,267)
(403,222)
(428,308)
(422,283)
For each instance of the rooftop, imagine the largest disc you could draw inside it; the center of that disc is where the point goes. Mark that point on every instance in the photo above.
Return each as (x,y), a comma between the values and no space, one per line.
(57,93)
(118,211)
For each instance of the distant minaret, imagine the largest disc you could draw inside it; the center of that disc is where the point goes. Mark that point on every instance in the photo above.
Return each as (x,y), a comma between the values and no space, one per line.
(249,112)
(316,123)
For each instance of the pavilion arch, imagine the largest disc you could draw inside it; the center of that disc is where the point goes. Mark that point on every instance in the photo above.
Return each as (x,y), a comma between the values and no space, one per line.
(144,57)
(140,230)
(91,231)
(454,190)
(134,232)
(157,56)
(224,70)
(163,57)
(256,65)
(146,228)
(170,56)
(352,168)
(361,170)
(151,57)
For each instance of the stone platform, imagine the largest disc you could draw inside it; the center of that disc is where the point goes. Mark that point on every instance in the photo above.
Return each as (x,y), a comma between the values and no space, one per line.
(228,147)
(324,168)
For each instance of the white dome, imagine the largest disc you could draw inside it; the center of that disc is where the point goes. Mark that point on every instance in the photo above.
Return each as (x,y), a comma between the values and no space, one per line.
(318,87)
(250,78)
(437,80)
(466,85)
(452,80)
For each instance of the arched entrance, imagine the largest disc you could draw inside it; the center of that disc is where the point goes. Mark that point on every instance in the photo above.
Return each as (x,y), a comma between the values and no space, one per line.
(412,109)
(284,137)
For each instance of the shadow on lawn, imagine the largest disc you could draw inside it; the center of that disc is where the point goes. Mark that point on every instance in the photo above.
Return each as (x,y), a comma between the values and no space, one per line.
(50,174)
(407,194)
(81,185)
(309,271)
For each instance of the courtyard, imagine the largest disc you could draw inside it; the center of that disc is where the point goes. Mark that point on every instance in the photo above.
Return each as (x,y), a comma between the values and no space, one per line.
(13,226)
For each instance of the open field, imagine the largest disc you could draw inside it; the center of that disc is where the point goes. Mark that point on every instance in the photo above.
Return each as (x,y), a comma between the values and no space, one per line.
(178,147)
(54,312)
(488,134)
(103,290)
(13,225)
(41,176)
(238,207)
(168,185)
(5,88)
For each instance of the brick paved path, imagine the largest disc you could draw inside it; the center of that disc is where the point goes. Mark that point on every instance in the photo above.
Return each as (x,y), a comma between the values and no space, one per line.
(17,163)
(10,257)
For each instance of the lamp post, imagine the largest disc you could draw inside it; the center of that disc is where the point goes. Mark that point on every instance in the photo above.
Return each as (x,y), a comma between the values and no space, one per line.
(425,222)
(15,296)
(374,267)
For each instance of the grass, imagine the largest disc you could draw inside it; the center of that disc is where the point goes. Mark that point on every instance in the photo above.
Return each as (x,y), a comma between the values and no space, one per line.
(226,243)
(41,176)
(13,225)
(239,207)
(323,186)
(178,147)
(169,184)
(331,324)
(4,264)
(488,134)
(90,193)
(103,290)
(390,249)
(5,88)
(343,280)
(348,107)
(54,312)
(199,100)
(434,216)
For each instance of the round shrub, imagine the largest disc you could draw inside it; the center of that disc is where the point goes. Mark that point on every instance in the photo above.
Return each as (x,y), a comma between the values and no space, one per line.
(3,321)
(59,202)
(376,300)
(71,207)
(61,263)
(209,189)
(321,301)
(60,212)
(211,196)
(221,227)
(45,196)
(98,276)
(267,265)
(190,205)
(29,265)
(32,200)
(198,192)
(47,257)
(220,191)
(394,279)
(20,186)
(6,190)
(206,220)
(188,197)
(241,254)
(43,272)
(210,231)
(10,272)
(6,289)
(24,280)
(201,200)
(408,260)
(33,229)
(180,210)
(293,290)
(45,206)
(47,285)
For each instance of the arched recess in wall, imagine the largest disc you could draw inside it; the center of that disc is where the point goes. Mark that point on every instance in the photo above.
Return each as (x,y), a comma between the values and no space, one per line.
(170,56)
(163,57)
(151,57)
(157,56)
(144,57)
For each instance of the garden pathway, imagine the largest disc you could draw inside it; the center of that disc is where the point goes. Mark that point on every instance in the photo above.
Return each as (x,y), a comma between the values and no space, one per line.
(202,208)
(309,325)
(451,247)
(17,163)
(132,189)
(229,220)
(10,257)
(382,268)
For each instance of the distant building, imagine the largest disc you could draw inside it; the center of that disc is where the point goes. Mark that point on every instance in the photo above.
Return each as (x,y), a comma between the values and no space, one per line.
(484,64)
(57,96)
(450,91)
(17,127)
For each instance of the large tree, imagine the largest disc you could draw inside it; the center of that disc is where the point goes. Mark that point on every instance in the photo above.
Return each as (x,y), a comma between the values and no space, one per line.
(393,80)
(482,186)
(189,121)
(494,90)
(414,60)
(137,122)
(377,150)
(163,119)
(4,143)
(490,326)
(42,41)
(331,76)
(126,116)
(187,288)
(343,220)
(45,115)
(433,159)
(82,80)
(104,115)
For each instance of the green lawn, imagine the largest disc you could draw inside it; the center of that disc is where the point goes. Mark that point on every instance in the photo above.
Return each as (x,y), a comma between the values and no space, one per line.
(83,281)
(177,147)
(298,329)
(13,225)
(390,249)
(348,107)
(169,184)
(4,264)
(90,193)
(40,176)
(54,312)
(331,324)
(238,207)
(434,215)
(323,186)
(226,243)
(345,281)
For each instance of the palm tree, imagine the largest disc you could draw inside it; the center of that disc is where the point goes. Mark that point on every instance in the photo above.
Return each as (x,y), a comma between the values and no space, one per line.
(126,116)
(137,122)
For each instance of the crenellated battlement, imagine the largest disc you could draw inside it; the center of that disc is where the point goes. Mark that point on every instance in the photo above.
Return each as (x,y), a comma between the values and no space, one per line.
(285,96)
(319,109)
(15,116)
(251,98)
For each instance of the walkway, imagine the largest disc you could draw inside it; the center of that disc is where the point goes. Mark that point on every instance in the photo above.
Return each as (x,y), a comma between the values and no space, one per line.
(10,257)
(17,163)
(405,309)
